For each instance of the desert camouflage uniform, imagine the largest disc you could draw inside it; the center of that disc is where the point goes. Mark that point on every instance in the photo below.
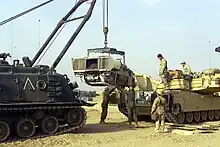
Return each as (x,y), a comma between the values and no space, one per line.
(187,75)
(106,99)
(130,104)
(158,109)
(187,70)
(163,72)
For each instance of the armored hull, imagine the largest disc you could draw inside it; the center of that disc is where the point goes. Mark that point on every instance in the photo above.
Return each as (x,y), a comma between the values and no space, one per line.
(200,103)
(36,102)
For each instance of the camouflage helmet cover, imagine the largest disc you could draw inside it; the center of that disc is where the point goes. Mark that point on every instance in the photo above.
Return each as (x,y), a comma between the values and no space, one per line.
(160,92)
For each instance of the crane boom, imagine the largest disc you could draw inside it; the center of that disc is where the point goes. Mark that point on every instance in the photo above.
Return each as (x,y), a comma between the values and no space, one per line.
(85,19)
(65,19)
(25,12)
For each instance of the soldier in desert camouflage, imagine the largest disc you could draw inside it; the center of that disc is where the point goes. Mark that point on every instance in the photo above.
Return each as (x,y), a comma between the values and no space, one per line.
(163,71)
(158,111)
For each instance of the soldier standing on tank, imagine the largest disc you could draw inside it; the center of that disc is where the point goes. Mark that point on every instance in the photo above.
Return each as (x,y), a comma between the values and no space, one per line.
(187,74)
(158,111)
(163,71)
(106,98)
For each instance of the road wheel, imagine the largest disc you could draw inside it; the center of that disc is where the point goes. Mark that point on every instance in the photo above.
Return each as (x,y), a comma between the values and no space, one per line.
(217,114)
(189,117)
(49,125)
(25,128)
(196,116)
(180,117)
(75,117)
(4,131)
(211,114)
(203,115)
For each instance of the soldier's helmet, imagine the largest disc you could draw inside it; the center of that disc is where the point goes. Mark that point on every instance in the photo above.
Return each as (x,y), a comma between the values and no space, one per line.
(183,62)
(160,92)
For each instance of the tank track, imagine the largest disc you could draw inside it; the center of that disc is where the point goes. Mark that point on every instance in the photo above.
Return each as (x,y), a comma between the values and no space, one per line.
(173,118)
(197,116)
(170,117)
(48,107)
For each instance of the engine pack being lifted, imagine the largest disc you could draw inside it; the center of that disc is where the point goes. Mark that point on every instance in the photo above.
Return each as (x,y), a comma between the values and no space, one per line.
(103,70)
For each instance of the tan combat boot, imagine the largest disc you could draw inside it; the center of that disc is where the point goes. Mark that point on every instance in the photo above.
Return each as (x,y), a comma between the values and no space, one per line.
(162,129)
(136,124)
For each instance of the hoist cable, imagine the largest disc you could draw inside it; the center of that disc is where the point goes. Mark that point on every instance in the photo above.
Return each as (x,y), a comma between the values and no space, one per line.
(105,21)
(107,13)
(105,7)
(103,13)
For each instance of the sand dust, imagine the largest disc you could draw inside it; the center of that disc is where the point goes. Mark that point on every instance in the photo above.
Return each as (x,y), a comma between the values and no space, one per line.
(117,133)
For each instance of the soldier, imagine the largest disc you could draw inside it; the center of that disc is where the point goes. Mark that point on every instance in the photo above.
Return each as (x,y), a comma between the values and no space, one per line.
(106,98)
(187,74)
(158,110)
(130,104)
(163,72)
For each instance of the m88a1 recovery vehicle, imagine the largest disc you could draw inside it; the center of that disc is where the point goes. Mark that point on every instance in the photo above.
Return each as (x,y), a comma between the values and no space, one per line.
(37,101)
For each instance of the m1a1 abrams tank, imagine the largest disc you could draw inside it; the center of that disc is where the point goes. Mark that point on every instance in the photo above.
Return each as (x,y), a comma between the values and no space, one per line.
(37,101)
(200,103)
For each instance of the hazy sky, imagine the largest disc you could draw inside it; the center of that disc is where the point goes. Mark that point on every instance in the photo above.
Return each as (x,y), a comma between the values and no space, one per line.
(178,29)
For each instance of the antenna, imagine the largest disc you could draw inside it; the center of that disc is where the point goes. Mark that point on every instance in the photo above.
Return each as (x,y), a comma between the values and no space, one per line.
(209,58)
(39,33)
(209,61)
(12,24)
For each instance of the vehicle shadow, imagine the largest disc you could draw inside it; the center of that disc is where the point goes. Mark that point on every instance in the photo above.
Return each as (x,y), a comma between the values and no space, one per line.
(189,130)
(109,127)
(104,128)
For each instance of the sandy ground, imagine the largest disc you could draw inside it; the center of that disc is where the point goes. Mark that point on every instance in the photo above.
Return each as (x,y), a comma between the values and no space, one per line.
(118,134)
